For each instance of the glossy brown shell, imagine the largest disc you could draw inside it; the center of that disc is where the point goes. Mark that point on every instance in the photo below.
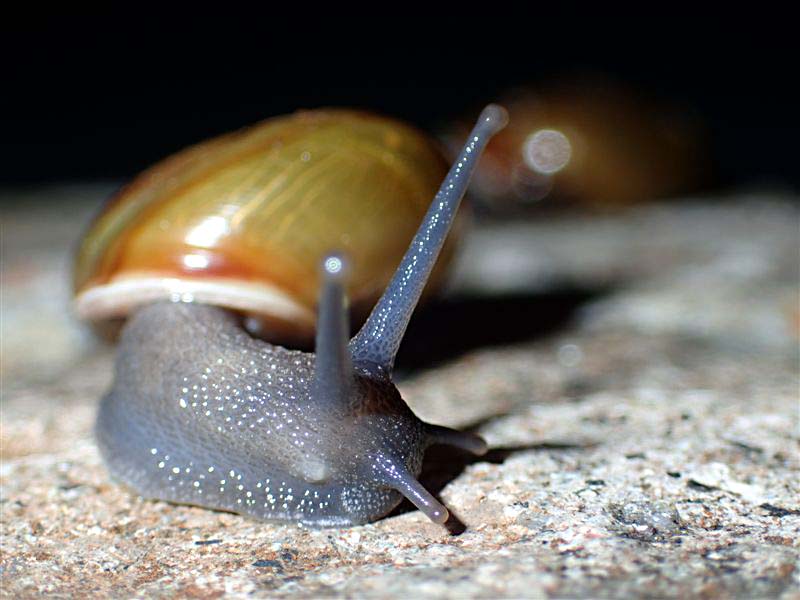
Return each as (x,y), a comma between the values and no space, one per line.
(623,148)
(243,220)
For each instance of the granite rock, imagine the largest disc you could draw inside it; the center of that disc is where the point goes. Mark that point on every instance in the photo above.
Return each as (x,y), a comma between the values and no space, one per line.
(636,376)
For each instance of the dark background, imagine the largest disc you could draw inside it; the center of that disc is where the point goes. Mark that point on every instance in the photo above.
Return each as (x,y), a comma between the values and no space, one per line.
(103,94)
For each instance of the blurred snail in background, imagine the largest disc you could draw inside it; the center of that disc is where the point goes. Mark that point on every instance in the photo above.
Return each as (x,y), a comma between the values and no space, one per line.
(586,142)
(274,224)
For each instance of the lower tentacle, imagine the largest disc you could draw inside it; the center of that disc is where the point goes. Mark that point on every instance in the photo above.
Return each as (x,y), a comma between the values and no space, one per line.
(460,439)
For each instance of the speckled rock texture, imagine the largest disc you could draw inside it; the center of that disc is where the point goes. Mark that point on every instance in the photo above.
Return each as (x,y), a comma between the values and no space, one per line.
(635,374)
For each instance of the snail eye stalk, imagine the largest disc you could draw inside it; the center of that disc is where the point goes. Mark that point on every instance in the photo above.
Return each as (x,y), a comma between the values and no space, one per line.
(333,373)
(375,346)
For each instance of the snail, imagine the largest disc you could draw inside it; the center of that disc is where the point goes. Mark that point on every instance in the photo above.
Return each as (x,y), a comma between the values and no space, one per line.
(201,412)
(588,142)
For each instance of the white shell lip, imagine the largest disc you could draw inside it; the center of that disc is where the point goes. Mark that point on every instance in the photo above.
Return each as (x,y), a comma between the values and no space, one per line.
(121,295)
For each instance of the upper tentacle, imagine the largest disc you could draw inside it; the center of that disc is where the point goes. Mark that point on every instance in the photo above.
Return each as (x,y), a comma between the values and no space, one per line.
(375,346)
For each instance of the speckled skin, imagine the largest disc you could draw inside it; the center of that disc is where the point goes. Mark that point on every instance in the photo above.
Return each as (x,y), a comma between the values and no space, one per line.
(201,413)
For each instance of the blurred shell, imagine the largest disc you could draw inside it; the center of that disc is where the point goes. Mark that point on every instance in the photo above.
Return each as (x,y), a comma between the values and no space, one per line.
(243,220)
(589,142)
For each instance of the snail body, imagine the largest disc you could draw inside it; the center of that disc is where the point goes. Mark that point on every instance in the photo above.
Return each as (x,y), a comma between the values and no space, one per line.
(239,428)
(200,412)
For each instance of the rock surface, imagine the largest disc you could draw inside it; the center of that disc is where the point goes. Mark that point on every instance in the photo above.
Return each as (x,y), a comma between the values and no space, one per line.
(636,376)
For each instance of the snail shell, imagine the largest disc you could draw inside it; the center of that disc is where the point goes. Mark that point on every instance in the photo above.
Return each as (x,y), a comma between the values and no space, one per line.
(242,221)
(588,142)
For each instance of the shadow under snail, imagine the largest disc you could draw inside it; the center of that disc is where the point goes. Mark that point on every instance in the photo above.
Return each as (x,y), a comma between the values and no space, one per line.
(201,412)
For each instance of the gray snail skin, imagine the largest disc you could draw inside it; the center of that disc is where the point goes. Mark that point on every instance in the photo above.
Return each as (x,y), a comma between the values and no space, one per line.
(202,413)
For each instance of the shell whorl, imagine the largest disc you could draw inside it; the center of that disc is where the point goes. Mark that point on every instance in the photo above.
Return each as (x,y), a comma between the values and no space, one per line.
(243,220)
